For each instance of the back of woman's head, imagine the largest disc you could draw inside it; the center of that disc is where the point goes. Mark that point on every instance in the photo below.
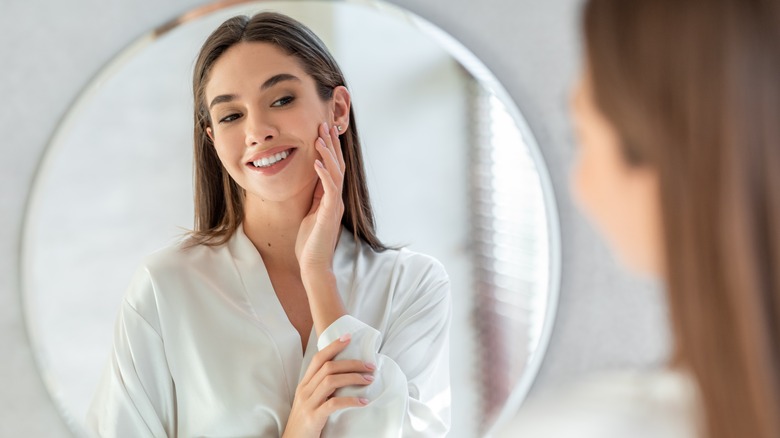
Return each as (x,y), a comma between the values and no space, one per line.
(693,89)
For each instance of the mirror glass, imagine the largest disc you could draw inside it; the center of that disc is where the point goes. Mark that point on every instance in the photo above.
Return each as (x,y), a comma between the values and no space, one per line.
(452,169)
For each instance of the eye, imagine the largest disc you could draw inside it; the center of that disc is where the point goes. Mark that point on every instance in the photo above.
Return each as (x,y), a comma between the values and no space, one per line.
(229,118)
(283,101)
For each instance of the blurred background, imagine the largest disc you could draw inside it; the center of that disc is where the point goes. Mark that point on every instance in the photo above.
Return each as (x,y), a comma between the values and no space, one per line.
(53,52)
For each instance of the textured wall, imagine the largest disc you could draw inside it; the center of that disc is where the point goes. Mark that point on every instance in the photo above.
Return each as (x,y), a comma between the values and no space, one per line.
(606,318)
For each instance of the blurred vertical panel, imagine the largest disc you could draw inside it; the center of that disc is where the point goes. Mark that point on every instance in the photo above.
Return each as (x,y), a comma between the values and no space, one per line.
(511,254)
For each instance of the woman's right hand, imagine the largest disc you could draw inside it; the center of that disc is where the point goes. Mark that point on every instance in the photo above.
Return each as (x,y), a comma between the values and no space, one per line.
(314,400)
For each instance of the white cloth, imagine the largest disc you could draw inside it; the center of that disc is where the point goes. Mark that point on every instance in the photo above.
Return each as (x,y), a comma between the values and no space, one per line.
(203,347)
(636,404)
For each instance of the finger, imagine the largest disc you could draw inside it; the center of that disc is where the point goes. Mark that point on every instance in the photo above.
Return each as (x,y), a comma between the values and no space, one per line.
(331,383)
(325,355)
(338,403)
(316,198)
(325,131)
(347,366)
(332,141)
(336,367)
(329,186)
(328,157)
(334,133)
(325,134)
(332,167)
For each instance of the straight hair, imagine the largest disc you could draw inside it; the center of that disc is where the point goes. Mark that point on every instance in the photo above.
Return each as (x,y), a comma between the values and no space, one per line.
(693,89)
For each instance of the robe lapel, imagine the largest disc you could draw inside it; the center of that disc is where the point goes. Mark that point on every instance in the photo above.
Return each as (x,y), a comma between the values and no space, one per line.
(268,310)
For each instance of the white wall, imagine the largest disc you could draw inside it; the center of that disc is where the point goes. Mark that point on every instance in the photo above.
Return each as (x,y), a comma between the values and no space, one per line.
(606,318)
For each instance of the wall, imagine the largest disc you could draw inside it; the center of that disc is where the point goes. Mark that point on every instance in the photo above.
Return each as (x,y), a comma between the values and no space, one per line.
(606,317)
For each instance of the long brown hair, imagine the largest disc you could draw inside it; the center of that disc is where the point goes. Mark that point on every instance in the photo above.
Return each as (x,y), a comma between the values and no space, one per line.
(219,200)
(693,89)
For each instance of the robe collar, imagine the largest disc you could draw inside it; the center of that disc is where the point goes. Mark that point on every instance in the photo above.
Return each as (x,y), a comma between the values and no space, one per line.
(268,311)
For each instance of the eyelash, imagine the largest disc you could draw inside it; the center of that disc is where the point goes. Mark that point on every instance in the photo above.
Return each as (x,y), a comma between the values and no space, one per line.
(277,104)
(286,100)
(231,118)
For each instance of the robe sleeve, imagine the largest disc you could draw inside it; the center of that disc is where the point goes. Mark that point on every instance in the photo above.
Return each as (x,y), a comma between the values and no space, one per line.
(135,397)
(410,395)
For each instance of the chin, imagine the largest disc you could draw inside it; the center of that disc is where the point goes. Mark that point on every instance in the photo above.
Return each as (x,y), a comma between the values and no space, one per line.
(282,190)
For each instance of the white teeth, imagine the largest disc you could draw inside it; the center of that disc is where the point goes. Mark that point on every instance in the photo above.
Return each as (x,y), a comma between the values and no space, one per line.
(273,159)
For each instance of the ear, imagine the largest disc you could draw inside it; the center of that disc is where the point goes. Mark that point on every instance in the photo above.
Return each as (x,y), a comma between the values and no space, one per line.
(342,102)
(210,134)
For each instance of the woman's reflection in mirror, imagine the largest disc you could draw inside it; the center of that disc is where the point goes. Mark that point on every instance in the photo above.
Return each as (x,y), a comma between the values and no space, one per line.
(282,313)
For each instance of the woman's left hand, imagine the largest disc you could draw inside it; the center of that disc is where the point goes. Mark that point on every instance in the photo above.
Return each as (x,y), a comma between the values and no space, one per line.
(320,229)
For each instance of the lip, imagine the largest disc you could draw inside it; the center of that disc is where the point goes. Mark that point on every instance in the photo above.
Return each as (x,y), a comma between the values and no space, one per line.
(274,168)
(268,153)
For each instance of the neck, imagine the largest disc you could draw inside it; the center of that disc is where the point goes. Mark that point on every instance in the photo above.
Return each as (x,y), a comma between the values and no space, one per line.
(272,226)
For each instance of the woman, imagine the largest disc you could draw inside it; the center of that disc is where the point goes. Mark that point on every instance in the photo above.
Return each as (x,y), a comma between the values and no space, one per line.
(282,314)
(677,113)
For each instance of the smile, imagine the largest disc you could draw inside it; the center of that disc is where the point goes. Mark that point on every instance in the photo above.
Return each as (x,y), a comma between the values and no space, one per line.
(273,159)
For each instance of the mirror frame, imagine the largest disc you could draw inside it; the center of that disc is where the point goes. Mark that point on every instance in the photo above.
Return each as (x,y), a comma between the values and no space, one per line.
(460,53)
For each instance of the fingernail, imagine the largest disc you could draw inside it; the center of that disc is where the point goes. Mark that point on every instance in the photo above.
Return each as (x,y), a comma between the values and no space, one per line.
(321,141)
(369,365)
(325,125)
(319,164)
(368,377)
(346,336)
(363,400)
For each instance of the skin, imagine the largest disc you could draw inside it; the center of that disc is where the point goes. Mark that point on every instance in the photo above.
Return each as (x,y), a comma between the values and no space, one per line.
(292,217)
(622,200)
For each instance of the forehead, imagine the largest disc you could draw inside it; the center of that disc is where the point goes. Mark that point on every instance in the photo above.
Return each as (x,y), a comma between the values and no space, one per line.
(249,64)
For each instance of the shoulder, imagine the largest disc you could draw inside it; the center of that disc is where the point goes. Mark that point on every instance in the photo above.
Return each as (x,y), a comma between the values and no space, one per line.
(422,266)
(410,278)
(405,264)
(166,270)
(185,263)
(181,255)
(631,403)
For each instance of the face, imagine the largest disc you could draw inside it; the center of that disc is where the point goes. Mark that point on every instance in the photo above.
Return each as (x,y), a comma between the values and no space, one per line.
(622,200)
(265,114)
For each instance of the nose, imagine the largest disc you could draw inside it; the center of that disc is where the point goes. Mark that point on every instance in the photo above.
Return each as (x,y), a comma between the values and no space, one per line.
(259,130)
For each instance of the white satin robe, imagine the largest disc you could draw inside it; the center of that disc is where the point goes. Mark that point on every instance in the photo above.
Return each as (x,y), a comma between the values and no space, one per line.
(203,347)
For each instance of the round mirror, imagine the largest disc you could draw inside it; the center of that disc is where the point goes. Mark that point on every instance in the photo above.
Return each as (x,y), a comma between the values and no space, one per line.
(452,168)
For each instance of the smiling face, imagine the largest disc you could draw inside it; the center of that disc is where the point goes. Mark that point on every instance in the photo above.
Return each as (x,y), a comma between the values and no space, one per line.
(265,112)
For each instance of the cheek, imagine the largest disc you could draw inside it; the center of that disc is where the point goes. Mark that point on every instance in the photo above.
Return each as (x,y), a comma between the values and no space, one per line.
(307,118)
(223,152)
(229,155)
(584,181)
(602,190)
(305,128)
(622,203)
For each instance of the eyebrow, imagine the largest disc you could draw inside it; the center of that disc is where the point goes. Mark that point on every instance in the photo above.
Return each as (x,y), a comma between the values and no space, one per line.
(273,80)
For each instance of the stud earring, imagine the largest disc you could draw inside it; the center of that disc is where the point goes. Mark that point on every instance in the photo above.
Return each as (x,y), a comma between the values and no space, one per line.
(338,128)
